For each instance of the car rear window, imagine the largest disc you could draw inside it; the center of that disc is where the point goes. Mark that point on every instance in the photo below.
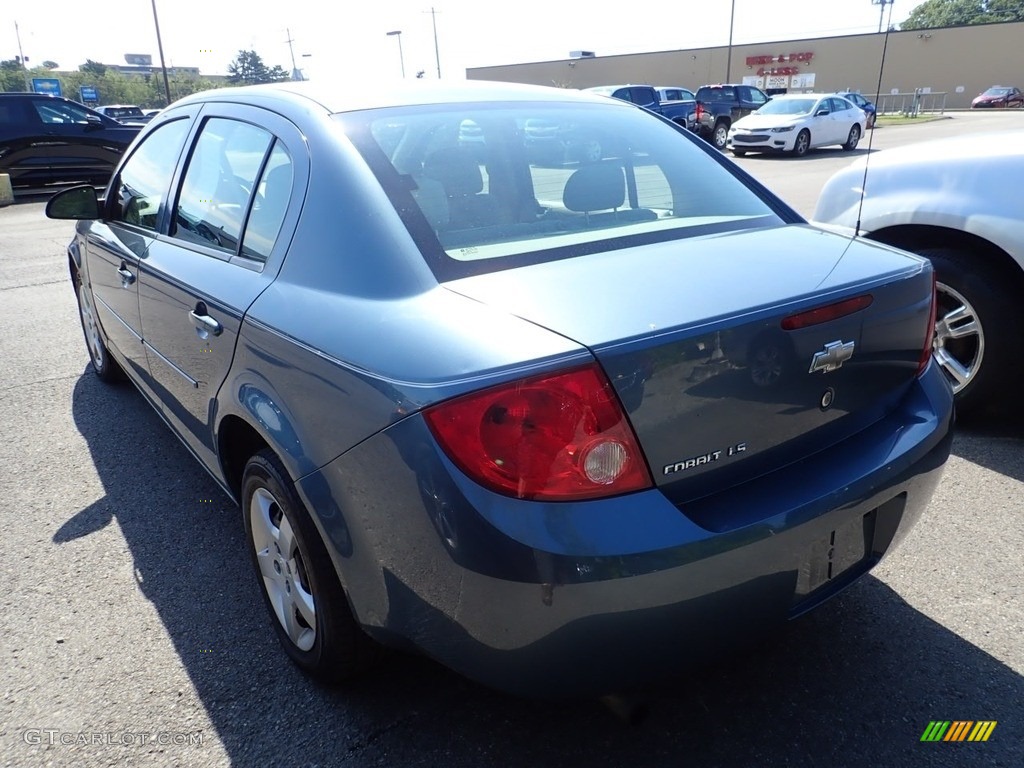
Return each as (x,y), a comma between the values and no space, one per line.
(482,188)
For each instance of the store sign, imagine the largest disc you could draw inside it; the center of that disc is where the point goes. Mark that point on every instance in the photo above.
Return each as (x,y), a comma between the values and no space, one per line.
(784,64)
(48,85)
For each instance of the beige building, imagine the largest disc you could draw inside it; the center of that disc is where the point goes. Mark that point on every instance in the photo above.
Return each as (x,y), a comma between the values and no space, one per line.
(946,67)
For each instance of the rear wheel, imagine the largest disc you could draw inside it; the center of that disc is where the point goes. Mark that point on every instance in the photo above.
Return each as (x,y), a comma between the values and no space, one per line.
(803,143)
(103,365)
(301,590)
(853,138)
(978,333)
(720,136)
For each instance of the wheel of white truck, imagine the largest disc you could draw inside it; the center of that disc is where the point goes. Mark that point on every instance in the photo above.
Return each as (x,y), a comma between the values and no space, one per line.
(977,330)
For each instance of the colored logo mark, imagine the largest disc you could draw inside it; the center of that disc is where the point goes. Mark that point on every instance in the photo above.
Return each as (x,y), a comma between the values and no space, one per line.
(958,730)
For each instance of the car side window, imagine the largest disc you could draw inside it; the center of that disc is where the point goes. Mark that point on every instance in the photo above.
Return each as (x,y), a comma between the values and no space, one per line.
(140,189)
(268,209)
(756,97)
(55,112)
(219,181)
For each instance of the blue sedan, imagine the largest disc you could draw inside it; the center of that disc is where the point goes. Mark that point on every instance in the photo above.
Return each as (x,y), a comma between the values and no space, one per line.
(870,111)
(567,427)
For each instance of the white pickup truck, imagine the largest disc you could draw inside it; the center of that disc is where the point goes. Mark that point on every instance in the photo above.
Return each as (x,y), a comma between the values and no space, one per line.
(960,203)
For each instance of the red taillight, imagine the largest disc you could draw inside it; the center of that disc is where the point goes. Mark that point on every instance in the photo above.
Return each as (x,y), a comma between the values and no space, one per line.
(929,332)
(826,313)
(700,111)
(554,437)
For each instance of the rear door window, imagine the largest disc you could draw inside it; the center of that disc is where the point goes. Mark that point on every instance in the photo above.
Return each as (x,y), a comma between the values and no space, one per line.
(219,182)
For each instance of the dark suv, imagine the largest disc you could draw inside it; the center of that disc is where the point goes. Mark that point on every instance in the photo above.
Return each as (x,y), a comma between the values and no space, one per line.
(49,139)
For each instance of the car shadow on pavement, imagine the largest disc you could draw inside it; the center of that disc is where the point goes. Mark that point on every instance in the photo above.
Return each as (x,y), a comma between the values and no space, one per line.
(854,683)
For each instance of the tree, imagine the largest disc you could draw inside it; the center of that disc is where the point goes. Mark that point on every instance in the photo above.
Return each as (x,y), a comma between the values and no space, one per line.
(12,76)
(956,13)
(248,69)
(93,68)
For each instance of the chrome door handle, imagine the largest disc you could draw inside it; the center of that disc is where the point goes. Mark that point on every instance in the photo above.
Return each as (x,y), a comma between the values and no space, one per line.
(205,325)
(127,278)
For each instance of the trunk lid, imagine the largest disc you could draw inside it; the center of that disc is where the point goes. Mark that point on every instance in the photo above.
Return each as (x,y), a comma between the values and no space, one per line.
(691,335)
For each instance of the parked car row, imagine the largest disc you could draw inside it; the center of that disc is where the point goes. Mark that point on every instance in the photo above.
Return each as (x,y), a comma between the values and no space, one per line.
(492,410)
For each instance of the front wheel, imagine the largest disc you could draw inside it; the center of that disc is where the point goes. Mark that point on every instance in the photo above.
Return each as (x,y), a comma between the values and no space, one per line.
(803,143)
(978,331)
(301,590)
(103,365)
(852,139)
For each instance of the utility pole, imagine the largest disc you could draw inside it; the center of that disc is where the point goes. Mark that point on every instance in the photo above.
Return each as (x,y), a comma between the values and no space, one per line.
(160,47)
(21,55)
(728,60)
(437,54)
(881,11)
(296,72)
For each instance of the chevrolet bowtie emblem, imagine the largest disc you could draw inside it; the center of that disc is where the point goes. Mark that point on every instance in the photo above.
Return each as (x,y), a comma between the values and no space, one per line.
(832,357)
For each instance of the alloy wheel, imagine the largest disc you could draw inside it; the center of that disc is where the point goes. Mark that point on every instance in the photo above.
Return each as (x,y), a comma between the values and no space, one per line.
(283,570)
(959,342)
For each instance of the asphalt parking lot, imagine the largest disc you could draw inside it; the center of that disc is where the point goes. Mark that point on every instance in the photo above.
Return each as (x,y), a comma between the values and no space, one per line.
(132,632)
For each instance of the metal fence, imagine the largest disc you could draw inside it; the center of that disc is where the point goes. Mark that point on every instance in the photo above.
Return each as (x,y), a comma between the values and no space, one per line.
(911,104)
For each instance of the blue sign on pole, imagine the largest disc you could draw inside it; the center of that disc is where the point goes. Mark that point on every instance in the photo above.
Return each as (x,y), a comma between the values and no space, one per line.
(89,94)
(47,85)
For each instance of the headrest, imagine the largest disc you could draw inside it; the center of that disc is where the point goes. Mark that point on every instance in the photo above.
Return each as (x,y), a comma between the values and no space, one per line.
(597,187)
(457,170)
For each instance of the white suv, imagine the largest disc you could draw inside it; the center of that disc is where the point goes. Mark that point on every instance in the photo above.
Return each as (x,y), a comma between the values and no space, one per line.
(960,203)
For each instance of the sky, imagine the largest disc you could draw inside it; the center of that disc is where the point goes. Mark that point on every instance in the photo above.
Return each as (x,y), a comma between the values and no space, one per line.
(329,41)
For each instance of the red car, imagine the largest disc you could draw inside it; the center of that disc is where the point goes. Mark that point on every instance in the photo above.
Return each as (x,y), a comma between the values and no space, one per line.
(999,96)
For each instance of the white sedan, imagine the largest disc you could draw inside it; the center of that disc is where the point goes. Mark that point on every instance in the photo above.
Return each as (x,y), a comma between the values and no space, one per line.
(795,123)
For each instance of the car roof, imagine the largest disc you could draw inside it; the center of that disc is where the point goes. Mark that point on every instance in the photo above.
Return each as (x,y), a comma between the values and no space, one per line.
(346,96)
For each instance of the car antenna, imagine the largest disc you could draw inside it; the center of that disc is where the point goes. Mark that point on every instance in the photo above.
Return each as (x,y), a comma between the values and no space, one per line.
(871,138)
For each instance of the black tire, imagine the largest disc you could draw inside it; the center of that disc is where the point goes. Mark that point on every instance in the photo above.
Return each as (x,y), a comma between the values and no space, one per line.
(330,645)
(802,144)
(103,365)
(720,135)
(969,287)
(853,139)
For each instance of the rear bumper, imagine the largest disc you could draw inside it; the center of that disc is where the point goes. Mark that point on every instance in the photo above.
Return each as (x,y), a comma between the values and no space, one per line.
(590,598)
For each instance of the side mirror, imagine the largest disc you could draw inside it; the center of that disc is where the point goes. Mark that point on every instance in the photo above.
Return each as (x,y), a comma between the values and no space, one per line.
(821,113)
(78,203)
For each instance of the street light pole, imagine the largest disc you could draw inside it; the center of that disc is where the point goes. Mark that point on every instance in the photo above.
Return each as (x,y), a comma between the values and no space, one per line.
(160,47)
(401,59)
